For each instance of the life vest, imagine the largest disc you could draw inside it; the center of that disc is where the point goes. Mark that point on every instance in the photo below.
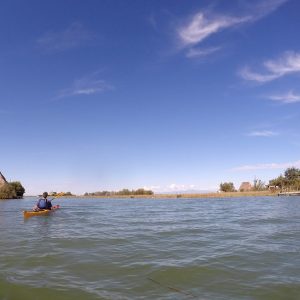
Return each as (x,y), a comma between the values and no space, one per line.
(42,204)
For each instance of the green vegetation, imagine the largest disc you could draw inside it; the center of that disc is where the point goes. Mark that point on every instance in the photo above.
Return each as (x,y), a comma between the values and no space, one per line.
(258,185)
(227,187)
(124,192)
(61,194)
(12,190)
(290,181)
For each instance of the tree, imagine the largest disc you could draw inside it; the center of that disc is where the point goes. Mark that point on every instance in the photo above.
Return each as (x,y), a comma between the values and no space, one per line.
(227,187)
(279,181)
(18,188)
(258,185)
(68,194)
(292,174)
(142,192)
(289,181)
(7,191)
(124,192)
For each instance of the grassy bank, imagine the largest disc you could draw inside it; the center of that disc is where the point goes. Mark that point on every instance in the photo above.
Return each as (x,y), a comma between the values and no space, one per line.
(219,195)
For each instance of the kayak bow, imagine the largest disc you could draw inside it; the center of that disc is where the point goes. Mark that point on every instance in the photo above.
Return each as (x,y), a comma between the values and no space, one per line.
(43,212)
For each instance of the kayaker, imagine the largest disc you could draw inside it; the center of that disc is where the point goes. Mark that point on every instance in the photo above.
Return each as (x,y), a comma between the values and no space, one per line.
(43,203)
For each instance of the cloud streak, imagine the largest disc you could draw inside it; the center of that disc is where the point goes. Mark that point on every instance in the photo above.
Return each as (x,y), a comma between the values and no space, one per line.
(73,36)
(288,98)
(287,63)
(269,166)
(87,86)
(263,133)
(198,52)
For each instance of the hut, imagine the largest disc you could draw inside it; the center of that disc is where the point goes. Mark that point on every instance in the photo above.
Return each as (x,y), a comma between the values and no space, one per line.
(3,180)
(245,187)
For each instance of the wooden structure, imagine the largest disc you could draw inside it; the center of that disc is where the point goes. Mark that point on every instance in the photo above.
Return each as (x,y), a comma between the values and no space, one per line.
(289,194)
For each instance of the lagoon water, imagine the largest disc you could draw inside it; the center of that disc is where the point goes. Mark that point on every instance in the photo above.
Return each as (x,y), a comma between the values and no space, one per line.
(239,248)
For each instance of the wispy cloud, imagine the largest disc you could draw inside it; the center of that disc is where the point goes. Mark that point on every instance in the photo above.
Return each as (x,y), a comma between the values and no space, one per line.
(73,36)
(287,63)
(264,8)
(199,52)
(268,166)
(88,85)
(289,97)
(203,24)
(263,133)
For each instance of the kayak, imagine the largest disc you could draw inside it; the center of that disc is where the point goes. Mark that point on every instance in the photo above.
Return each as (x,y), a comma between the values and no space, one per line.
(43,212)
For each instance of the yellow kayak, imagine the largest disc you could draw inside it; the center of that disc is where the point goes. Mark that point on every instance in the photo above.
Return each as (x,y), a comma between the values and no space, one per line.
(43,212)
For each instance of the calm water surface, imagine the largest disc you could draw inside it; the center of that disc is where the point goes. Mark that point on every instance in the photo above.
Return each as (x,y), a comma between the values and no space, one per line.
(242,248)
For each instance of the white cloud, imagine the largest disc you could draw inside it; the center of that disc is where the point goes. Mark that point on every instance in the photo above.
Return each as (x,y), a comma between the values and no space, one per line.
(73,36)
(198,52)
(202,26)
(152,187)
(289,97)
(268,166)
(85,86)
(263,133)
(287,63)
(180,187)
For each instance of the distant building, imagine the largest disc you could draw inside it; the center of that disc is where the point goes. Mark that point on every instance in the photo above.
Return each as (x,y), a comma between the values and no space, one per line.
(2,180)
(245,187)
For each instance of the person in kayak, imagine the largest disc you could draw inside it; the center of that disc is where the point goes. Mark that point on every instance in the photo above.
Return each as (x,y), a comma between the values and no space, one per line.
(43,203)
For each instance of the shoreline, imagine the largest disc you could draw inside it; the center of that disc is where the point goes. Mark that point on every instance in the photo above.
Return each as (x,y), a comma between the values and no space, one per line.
(186,196)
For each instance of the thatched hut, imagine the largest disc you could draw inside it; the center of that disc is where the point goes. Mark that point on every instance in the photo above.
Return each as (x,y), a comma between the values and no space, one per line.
(3,180)
(245,187)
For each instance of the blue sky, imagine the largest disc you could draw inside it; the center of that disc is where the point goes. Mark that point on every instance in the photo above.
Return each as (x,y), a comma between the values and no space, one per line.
(167,95)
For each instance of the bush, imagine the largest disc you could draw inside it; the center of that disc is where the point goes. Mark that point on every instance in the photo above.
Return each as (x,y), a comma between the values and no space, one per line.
(19,189)
(227,187)
(12,190)
(7,192)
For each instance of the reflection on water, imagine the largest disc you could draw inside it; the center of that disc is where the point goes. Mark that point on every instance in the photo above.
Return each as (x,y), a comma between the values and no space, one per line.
(242,248)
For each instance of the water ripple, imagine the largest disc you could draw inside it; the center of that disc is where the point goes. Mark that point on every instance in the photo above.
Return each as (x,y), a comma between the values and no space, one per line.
(245,248)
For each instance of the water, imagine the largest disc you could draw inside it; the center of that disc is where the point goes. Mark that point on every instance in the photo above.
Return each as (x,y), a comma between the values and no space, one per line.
(240,248)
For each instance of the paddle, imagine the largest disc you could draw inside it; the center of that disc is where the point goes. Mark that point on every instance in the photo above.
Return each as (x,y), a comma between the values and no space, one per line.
(57,196)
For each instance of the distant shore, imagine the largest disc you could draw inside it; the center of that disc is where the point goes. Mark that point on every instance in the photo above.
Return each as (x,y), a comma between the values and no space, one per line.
(201,195)
(183,196)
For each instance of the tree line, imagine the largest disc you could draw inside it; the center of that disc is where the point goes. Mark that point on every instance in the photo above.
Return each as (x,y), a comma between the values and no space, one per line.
(124,192)
(288,181)
(61,194)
